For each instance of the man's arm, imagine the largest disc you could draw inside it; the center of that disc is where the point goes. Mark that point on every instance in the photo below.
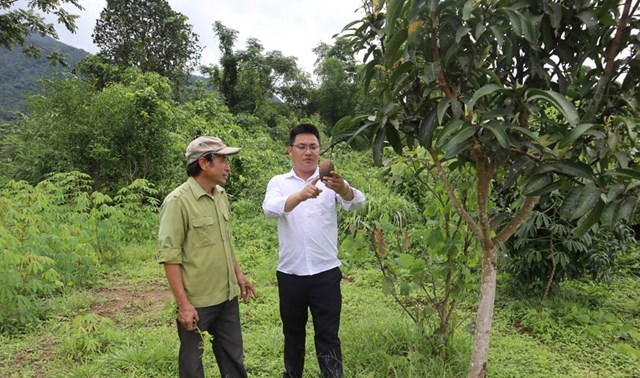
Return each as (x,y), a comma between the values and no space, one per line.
(309,191)
(246,287)
(187,314)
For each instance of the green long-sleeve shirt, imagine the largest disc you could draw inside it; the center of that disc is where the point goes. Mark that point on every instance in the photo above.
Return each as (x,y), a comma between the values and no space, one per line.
(195,232)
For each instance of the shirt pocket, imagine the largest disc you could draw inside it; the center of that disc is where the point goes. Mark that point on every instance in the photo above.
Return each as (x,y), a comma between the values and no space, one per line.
(203,231)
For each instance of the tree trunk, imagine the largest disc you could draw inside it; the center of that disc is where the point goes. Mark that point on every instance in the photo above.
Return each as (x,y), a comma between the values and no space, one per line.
(484,319)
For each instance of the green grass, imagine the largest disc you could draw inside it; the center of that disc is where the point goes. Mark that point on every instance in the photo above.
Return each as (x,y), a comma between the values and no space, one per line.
(124,327)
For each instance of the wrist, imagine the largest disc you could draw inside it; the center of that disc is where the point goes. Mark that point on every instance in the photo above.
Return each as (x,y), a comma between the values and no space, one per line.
(346,192)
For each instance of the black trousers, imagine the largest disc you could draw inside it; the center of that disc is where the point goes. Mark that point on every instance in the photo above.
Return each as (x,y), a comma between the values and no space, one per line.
(222,321)
(321,294)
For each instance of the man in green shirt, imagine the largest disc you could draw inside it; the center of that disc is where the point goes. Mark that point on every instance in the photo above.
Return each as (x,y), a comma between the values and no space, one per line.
(196,249)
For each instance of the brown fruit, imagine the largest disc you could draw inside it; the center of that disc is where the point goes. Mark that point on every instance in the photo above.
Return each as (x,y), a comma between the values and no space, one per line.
(325,168)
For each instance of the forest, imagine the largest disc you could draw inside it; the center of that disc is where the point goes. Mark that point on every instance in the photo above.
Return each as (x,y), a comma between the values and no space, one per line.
(496,143)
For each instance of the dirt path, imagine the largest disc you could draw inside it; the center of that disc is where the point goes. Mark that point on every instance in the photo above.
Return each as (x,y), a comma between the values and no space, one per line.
(124,301)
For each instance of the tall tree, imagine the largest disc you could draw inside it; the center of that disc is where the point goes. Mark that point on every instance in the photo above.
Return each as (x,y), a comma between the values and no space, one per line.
(17,25)
(116,135)
(537,97)
(149,35)
(228,78)
(250,78)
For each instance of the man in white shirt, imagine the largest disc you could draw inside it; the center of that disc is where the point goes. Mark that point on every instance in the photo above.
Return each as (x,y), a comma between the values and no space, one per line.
(308,268)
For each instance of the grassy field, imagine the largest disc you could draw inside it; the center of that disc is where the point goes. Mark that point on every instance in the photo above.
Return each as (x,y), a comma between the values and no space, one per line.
(123,327)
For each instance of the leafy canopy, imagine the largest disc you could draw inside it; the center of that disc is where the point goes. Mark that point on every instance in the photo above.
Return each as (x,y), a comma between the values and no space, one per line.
(16,25)
(149,35)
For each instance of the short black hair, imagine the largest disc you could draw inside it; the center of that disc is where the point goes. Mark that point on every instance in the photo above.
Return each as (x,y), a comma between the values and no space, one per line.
(303,128)
(193,169)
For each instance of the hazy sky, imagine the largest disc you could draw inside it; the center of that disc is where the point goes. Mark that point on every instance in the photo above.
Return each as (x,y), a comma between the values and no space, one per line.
(293,27)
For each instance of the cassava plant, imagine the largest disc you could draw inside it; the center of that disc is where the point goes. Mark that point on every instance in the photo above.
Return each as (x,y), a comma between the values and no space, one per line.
(533,96)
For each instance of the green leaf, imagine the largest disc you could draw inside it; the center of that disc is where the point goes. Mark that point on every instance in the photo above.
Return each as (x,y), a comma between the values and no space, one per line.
(574,169)
(393,45)
(592,218)
(462,136)
(378,146)
(431,72)
(405,260)
(498,131)
(427,127)
(579,200)
(624,172)
(483,91)
(576,133)
(394,7)
(369,71)
(626,208)
(388,286)
(461,32)
(456,108)
(443,104)
(536,183)
(558,101)
(608,217)
(466,10)
(394,138)
(498,35)
(449,129)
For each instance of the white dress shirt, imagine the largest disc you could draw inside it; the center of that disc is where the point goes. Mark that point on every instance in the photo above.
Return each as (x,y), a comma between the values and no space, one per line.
(308,234)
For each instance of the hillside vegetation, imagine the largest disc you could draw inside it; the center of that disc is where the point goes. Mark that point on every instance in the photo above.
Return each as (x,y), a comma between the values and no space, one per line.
(92,301)
(20,75)
(501,170)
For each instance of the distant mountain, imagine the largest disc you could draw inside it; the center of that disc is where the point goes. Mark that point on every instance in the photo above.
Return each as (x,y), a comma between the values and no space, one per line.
(20,75)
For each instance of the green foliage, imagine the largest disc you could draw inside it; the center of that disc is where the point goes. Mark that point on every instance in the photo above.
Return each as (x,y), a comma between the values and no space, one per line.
(149,35)
(461,73)
(56,234)
(18,24)
(427,263)
(141,338)
(335,97)
(20,75)
(545,251)
(135,210)
(117,135)
(582,318)
(252,80)
(511,89)
(87,335)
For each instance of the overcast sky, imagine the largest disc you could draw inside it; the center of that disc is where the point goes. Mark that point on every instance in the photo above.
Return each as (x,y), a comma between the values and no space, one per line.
(293,27)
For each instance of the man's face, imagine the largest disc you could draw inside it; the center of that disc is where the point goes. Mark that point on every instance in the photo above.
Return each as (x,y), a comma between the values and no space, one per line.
(217,170)
(305,154)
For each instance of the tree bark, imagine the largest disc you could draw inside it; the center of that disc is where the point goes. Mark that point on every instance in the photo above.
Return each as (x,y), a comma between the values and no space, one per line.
(484,319)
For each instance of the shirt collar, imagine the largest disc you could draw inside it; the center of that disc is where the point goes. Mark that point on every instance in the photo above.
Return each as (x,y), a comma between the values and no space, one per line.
(292,174)
(198,191)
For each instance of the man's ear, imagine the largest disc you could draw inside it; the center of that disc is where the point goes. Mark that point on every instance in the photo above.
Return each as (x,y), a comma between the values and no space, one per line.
(202,162)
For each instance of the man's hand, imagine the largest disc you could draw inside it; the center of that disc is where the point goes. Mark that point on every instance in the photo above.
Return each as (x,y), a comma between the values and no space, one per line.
(336,183)
(310,190)
(246,288)
(188,316)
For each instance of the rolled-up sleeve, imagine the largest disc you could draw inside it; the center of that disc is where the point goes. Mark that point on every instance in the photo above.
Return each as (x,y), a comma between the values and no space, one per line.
(171,233)
(274,200)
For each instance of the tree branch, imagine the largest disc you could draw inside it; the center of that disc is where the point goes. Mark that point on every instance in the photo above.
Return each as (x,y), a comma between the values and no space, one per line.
(522,215)
(614,49)
(485,170)
(452,196)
